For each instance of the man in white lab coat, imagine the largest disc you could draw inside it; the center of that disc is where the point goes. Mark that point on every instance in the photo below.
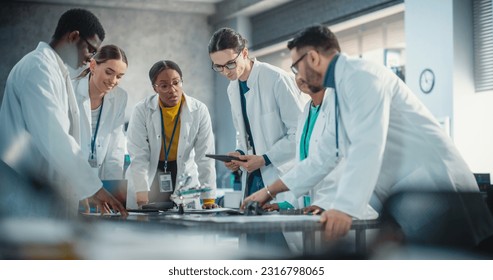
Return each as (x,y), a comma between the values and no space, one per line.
(385,138)
(39,118)
(314,127)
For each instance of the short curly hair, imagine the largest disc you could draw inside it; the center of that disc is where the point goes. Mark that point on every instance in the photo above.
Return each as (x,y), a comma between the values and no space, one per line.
(81,20)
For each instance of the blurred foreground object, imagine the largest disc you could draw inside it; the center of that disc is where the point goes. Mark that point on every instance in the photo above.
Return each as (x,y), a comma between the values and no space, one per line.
(442,220)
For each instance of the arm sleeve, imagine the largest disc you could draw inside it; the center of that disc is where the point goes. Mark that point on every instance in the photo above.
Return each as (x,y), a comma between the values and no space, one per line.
(139,150)
(204,144)
(366,124)
(115,157)
(290,103)
(43,101)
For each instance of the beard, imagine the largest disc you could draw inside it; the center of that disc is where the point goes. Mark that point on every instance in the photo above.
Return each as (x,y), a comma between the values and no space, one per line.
(313,80)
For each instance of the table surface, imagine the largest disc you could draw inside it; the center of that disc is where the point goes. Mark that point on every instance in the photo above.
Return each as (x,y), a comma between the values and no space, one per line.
(222,220)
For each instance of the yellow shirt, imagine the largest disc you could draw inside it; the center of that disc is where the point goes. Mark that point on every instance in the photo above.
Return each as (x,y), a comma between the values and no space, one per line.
(170,115)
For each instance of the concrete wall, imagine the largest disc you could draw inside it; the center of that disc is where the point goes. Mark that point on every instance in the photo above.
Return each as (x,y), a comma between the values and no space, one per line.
(281,23)
(145,35)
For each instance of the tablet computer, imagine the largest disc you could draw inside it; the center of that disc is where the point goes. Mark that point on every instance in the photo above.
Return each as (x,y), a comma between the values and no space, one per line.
(162,205)
(224,158)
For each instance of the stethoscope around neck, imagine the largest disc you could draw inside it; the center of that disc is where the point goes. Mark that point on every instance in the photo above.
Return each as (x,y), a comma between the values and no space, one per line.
(336,117)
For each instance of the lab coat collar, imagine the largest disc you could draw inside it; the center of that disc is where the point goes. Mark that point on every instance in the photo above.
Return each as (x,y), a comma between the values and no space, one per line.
(325,102)
(254,73)
(81,86)
(153,103)
(329,80)
(251,81)
(50,53)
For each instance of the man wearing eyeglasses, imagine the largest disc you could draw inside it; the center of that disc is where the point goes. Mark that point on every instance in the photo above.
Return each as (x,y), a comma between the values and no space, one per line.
(39,118)
(265,104)
(377,134)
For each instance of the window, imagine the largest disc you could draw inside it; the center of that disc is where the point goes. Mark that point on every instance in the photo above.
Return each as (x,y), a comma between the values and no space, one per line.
(483,44)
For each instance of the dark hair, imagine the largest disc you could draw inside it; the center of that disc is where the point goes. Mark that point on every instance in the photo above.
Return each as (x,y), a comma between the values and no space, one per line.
(108,52)
(317,36)
(226,38)
(161,65)
(81,20)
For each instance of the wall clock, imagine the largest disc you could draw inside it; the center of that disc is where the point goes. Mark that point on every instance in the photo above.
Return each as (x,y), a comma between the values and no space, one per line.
(426,80)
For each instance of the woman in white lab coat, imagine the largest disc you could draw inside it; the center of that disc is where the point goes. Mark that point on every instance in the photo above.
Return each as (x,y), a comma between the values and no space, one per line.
(102,108)
(102,113)
(169,134)
(265,105)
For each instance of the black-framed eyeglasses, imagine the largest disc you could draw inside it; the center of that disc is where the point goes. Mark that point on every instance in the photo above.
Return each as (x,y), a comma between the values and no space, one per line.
(167,87)
(90,48)
(230,65)
(294,68)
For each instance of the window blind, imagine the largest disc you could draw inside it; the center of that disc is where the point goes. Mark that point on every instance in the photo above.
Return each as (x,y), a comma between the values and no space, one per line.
(483,44)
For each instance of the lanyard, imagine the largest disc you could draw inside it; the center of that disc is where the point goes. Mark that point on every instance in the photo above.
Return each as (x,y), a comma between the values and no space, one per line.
(307,126)
(93,141)
(167,149)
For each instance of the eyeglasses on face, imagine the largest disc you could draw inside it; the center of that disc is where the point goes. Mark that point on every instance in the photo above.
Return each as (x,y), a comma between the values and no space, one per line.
(90,48)
(294,68)
(163,87)
(230,65)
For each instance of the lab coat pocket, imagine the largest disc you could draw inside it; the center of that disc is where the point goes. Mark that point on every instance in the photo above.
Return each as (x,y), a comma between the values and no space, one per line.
(322,140)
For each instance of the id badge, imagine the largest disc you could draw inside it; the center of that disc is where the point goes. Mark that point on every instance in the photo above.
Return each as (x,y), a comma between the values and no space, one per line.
(165,183)
(93,161)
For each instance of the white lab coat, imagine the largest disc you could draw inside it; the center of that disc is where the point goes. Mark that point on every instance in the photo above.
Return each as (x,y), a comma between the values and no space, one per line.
(324,193)
(273,105)
(144,146)
(389,141)
(110,141)
(35,124)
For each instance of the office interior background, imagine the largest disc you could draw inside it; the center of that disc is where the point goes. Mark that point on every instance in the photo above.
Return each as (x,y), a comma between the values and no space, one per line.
(450,37)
